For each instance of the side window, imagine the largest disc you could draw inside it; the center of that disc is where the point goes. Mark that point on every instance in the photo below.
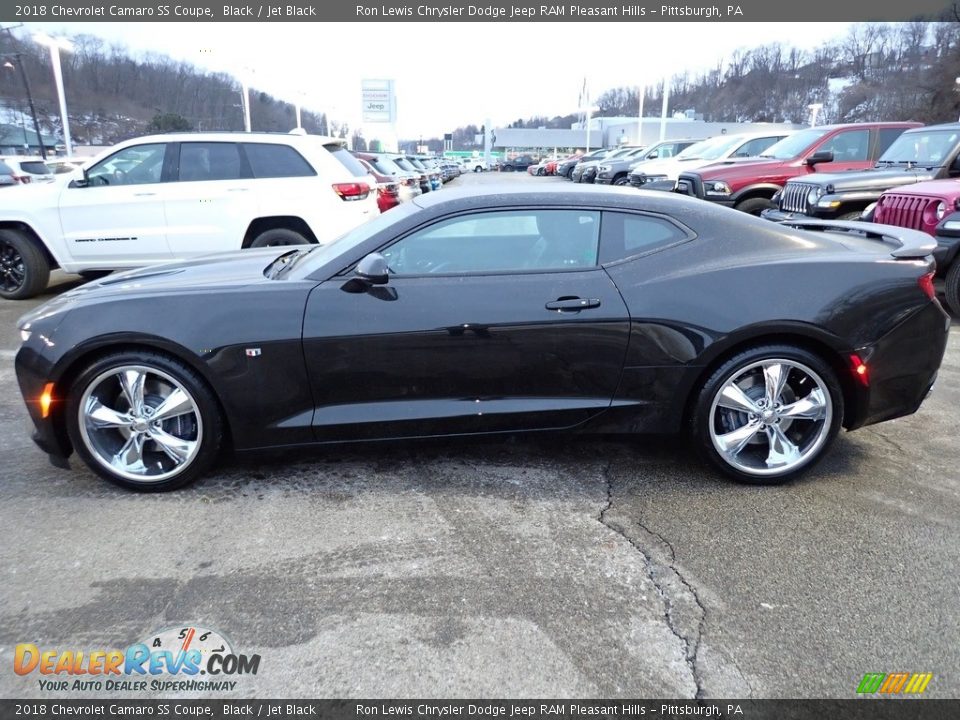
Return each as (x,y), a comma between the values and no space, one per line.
(209,161)
(849,146)
(514,240)
(887,136)
(755,146)
(135,165)
(626,235)
(275,161)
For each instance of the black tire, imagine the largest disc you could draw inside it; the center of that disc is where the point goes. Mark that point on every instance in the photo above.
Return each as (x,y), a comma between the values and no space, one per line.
(478,168)
(951,287)
(276,237)
(705,425)
(508,168)
(853,215)
(569,174)
(24,270)
(91,275)
(209,429)
(755,206)
(621,180)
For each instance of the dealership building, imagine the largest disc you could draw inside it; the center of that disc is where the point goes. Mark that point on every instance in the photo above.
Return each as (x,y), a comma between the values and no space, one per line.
(612,132)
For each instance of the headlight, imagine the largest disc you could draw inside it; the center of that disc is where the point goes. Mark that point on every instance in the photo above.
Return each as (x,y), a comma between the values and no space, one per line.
(941,210)
(25,333)
(717,188)
(603,168)
(814,195)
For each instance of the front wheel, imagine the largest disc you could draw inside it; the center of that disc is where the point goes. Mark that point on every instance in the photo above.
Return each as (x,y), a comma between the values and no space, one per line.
(143,421)
(622,180)
(24,271)
(767,414)
(755,206)
(951,287)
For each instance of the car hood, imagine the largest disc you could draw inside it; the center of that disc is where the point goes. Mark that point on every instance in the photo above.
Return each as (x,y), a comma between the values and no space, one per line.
(749,168)
(231,269)
(875,179)
(671,167)
(947,190)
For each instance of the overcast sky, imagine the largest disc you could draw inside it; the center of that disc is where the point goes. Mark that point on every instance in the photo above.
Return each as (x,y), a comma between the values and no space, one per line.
(501,71)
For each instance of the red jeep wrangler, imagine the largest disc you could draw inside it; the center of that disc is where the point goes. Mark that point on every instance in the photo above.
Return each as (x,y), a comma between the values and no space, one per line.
(750,184)
(933,207)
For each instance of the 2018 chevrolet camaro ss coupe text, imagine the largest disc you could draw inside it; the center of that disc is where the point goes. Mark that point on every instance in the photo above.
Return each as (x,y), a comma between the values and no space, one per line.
(500,311)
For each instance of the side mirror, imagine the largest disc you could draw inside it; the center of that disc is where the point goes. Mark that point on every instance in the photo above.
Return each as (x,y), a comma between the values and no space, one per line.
(373,269)
(821,156)
(81,181)
(955,167)
(653,156)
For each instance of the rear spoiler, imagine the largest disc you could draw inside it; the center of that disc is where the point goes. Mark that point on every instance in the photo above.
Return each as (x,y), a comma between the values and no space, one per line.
(909,243)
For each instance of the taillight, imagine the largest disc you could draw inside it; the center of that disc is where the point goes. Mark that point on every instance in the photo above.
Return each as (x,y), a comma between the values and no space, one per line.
(926,284)
(22,178)
(860,370)
(352,190)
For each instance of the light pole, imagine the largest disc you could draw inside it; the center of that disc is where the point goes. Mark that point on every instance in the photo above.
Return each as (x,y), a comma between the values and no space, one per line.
(641,91)
(814,109)
(957,86)
(56,45)
(26,86)
(663,109)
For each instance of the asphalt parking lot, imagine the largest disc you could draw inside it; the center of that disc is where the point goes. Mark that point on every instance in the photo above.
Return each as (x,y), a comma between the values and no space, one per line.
(517,567)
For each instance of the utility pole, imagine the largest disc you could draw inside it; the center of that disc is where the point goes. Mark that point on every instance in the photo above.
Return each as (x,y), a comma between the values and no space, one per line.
(18,59)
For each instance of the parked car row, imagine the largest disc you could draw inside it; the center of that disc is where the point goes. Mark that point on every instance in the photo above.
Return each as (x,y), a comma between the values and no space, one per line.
(404,177)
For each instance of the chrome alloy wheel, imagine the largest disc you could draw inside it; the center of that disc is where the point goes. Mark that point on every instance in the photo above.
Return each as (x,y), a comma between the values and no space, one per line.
(140,423)
(771,417)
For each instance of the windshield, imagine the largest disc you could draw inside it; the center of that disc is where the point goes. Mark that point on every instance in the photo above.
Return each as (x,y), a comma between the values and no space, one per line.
(319,255)
(386,166)
(791,147)
(711,148)
(928,147)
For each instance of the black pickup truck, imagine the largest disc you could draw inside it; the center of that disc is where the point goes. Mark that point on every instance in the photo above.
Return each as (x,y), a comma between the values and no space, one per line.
(925,153)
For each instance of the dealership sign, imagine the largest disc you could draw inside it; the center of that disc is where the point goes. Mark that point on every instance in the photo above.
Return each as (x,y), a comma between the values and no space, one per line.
(378,101)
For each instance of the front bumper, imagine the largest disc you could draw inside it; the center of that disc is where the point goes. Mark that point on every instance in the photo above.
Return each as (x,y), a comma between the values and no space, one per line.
(948,242)
(33,372)
(778,215)
(600,180)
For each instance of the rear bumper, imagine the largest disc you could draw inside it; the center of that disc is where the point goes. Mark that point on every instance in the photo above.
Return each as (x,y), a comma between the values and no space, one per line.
(777,215)
(902,366)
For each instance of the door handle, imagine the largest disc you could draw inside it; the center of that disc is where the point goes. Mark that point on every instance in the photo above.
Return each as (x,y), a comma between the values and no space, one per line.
(237,189)
(573,304)
(144,194)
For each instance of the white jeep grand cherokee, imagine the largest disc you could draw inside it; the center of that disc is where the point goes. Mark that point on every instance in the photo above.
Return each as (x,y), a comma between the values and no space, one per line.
(170,197)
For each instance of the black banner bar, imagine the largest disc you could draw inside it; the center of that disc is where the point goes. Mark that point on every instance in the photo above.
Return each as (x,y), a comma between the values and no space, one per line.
(479,11)
(854,709)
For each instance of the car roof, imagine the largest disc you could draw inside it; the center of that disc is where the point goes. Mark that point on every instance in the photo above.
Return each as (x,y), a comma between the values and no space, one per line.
(941,126)
(233,136)
(510,194)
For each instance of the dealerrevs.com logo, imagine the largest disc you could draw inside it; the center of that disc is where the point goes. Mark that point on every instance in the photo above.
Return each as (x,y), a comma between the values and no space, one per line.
(178,659)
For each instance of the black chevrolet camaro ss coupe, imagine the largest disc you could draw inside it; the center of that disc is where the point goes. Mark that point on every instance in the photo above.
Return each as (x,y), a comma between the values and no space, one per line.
(506,310)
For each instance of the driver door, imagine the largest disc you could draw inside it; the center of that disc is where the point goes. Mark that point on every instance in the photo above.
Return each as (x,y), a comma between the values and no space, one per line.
(490,321)
(118,215)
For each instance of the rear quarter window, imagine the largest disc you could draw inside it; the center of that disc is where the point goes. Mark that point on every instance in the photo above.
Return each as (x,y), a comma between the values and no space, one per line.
(276,161)
(625,235)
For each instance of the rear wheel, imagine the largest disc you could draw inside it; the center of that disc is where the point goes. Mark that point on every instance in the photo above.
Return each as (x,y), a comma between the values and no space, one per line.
(144,421)
(767,414)
(755,206)
(952,287)
(277,237)
(24,271)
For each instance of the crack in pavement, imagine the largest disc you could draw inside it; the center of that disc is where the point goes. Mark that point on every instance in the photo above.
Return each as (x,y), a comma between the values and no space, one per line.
(690,641)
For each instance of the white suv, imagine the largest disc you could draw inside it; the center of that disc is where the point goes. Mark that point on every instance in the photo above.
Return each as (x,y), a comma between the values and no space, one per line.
(170,197)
